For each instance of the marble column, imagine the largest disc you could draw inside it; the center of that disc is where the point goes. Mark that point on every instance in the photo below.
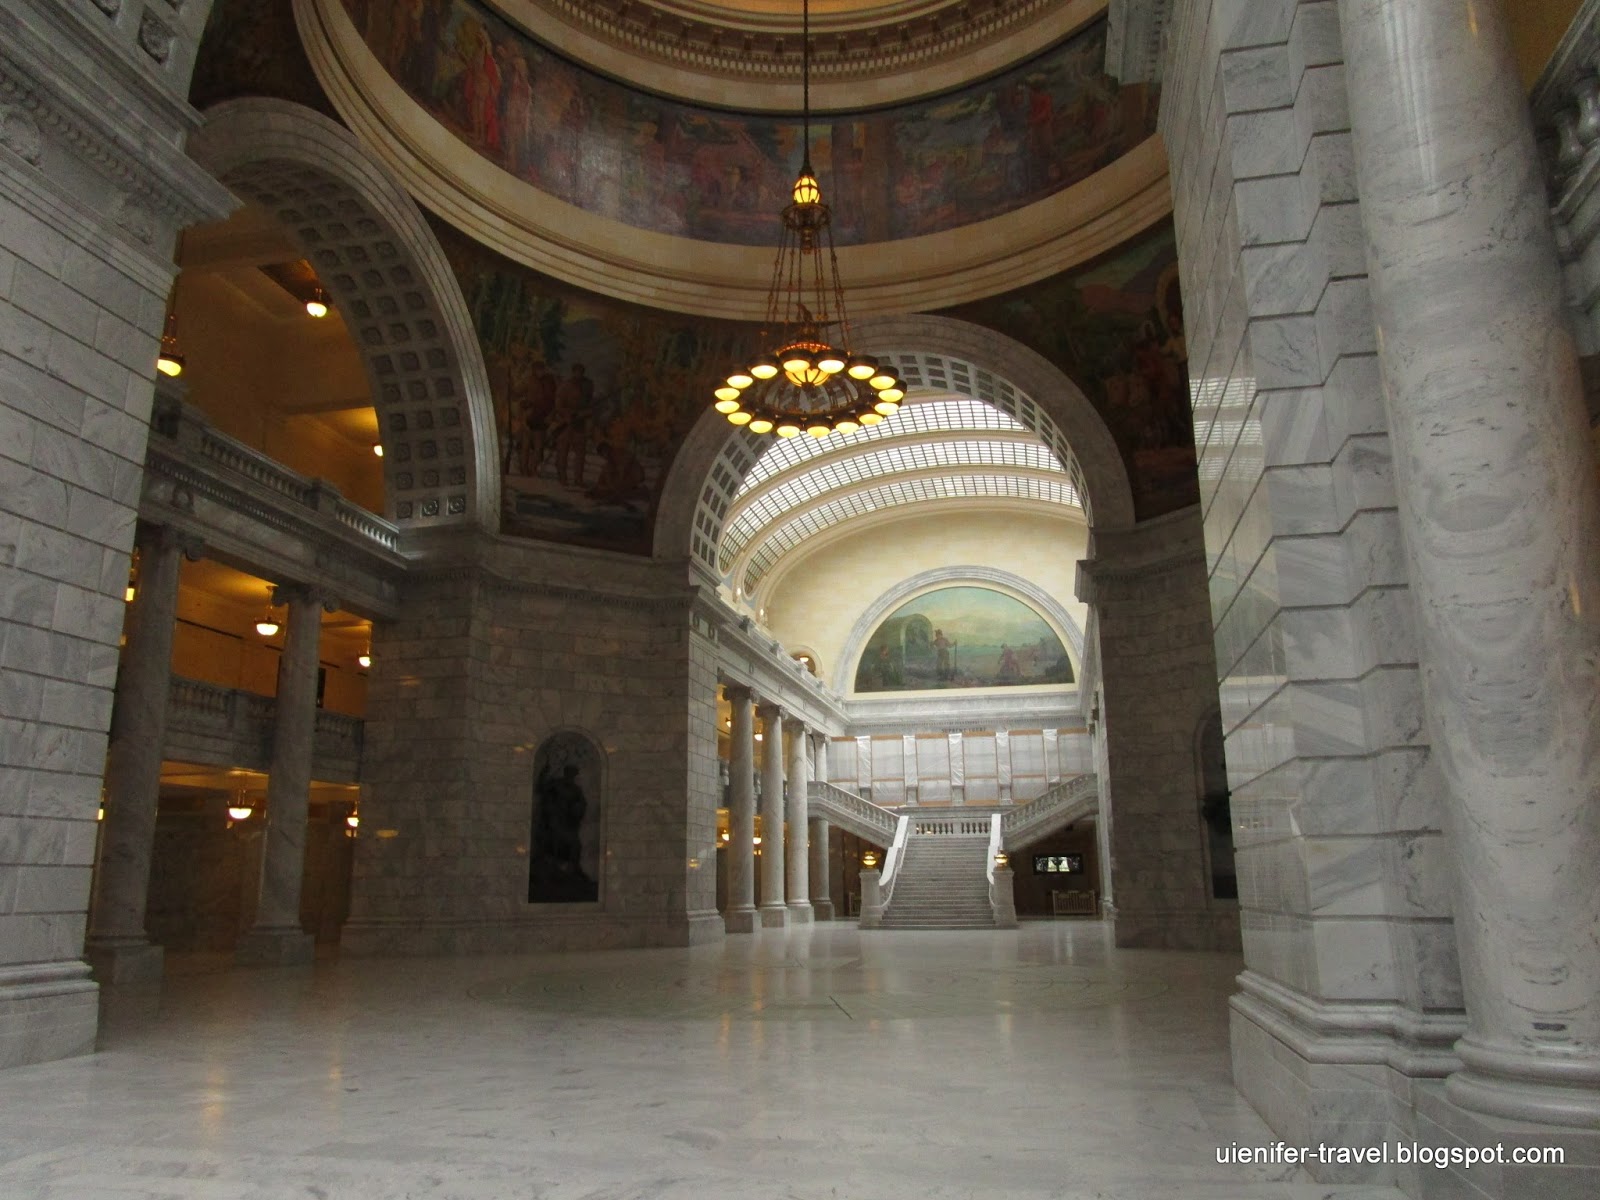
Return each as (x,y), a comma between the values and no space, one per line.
(741,914)
(117,947)
(774,911)
(819,758)
(797,862)
(1499,514)
(821,885)
(276,938)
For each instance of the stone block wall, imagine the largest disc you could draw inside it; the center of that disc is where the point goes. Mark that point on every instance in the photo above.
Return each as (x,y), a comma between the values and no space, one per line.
(494,655)
(86,235)
(1157,685)
(1342,870)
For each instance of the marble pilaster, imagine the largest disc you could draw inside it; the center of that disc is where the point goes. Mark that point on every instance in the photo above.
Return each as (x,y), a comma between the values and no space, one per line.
(774,911)
(1497,506)
(797,840)
(741,914)
(118,948)
(277,938)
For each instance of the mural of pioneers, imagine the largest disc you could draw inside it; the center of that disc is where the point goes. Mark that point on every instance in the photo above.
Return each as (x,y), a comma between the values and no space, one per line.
(962,637)
(719,176)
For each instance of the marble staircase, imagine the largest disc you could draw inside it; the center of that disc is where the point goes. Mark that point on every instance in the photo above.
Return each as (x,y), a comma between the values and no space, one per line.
(942,884)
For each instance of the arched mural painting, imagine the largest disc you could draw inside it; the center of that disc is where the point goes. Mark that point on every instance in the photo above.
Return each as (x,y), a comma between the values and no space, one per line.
(962,637)
(564,851)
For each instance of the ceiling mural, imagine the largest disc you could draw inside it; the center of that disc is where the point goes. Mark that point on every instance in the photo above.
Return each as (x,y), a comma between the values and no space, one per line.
(592,397)
(1115,327)
(718,176)
(962,637)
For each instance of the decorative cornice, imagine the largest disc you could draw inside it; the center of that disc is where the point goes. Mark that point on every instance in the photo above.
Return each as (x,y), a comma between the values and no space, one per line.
(908,40)
(1135,41)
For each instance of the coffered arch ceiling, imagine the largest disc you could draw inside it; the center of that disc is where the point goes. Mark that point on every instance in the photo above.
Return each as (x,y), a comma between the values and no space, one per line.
(1014,179)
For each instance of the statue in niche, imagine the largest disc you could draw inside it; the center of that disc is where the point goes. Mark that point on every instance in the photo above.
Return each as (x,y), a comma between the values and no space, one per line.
(564,852)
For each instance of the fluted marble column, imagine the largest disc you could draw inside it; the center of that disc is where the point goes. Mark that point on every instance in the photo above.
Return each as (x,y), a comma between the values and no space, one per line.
(1498,509)
(117,947)
(797,861)
(741,914)
(276,937)
(774,911)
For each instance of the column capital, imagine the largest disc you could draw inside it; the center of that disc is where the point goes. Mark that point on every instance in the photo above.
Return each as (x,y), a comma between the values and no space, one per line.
(304,593)
(769,710)
(153,536)
(733,690)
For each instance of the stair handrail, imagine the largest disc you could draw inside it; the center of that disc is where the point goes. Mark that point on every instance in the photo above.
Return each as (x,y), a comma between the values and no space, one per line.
(995,846)
(892,860)
(1069,793)
(875,815)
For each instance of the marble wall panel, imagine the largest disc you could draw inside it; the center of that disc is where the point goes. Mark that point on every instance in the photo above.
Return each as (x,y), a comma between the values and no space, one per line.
(1342,879)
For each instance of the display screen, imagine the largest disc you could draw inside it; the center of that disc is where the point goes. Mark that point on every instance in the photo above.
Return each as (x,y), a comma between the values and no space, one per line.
(1058,864)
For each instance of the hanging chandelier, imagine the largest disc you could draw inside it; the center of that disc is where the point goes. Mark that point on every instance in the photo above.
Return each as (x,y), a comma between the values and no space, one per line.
(805,378)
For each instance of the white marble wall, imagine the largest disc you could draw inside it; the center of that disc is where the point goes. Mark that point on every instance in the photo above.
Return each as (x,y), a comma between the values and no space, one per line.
(86,234)
(1006,766)
(1343,875)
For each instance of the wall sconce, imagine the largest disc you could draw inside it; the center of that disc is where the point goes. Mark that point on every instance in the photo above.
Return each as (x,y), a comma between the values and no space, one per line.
(869,860)
(317,306)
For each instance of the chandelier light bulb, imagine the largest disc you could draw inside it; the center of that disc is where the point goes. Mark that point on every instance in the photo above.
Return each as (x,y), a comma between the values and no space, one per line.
(788,430)
(740,380)
(861,367)
(887,407)
(739,418)
(727,406)
(892,394)
(764,368)
(819,431)
(377,449)
(847,425)
(806,190)
(760,425)
(882,380)
(170,362)
(831,363)
(266,627)
(726,394)
(317,306)
(871,418)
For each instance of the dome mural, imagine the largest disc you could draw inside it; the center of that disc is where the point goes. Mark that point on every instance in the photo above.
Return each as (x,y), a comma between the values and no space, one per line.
(712,175)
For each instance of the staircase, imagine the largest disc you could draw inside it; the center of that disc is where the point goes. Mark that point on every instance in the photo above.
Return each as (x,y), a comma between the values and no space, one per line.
(942,884)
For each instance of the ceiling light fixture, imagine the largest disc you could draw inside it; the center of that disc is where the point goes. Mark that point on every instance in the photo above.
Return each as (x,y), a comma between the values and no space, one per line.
(800,381)
(377,448)
(268,625)
(317,306)
(170,361)
(365,658)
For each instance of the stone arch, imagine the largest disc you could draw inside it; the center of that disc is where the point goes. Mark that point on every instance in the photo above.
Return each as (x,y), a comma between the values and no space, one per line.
(843,672)
(385,270)
(929,352)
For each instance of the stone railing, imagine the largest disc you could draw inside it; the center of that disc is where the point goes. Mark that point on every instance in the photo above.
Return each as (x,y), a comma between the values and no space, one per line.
(1062,804)
(226,727)
(186,431)
(850,811)
(945,825)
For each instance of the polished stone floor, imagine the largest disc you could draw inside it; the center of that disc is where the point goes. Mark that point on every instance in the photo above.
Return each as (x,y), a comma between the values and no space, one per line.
(822,1064)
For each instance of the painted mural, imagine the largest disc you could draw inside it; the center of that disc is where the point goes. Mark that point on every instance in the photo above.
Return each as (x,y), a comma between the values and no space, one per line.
(962,637)
(719,176)
(1115,327)
(252,48)
(592,397)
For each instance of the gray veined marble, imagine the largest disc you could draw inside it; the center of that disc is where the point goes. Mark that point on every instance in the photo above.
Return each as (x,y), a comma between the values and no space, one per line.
(1500,517)
(741,912)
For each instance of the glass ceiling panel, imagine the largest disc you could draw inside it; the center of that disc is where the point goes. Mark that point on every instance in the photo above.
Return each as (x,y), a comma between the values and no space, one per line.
(923,416)
(894,494)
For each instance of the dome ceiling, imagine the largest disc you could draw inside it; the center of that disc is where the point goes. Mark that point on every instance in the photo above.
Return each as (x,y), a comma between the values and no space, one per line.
(902,48)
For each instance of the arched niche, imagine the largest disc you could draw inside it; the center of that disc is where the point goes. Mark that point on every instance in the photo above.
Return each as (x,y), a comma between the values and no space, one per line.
(383,267)
(567,821)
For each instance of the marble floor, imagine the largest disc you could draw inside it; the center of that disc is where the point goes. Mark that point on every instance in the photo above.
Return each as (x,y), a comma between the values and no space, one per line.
(818,1064)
